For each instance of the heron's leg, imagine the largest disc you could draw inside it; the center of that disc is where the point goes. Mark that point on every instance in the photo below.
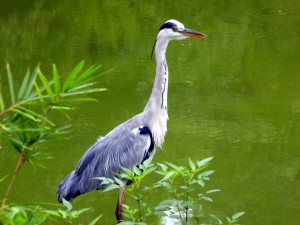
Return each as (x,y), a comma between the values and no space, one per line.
(119,208)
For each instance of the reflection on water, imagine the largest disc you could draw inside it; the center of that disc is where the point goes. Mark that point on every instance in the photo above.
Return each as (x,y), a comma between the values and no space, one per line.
(234,95)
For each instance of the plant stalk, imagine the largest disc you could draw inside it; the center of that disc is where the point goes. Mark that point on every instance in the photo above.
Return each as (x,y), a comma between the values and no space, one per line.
(19,165)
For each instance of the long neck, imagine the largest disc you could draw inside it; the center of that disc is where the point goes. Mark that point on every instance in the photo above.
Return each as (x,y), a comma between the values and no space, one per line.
(156,108)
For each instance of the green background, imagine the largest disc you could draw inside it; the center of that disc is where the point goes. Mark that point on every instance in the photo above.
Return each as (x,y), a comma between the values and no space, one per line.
(234,95)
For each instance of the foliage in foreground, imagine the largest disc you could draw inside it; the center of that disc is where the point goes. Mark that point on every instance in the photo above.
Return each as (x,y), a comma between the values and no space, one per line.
(27,120)
(184,185)
(34,214)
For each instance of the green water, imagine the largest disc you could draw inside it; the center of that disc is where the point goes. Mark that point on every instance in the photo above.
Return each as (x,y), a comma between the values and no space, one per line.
(234,95)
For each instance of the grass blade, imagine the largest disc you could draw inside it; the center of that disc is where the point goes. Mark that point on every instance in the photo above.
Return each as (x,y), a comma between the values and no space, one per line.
(56,80)
(88,73)
(2,106)
(71,79)
(23,85)
(32,80)
(11,84)
(46,85)
(92,90)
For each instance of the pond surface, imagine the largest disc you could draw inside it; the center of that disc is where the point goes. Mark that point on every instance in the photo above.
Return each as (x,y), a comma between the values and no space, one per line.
(234,95)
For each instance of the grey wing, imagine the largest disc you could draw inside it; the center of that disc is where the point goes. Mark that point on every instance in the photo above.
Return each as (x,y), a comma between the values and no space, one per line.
(126,148)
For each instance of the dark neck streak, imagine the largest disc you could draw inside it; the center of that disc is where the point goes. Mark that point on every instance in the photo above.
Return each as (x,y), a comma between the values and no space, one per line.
(158,98)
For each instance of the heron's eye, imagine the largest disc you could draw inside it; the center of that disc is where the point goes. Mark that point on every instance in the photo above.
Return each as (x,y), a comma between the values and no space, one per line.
(175,29)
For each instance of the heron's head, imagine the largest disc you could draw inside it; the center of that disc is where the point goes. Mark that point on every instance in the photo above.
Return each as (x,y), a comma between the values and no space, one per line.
(174,30)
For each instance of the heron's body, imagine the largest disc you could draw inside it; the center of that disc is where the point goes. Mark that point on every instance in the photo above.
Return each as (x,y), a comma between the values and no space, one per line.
(133,141)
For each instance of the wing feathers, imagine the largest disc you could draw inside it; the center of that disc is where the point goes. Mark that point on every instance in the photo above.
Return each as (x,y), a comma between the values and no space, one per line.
(122,147)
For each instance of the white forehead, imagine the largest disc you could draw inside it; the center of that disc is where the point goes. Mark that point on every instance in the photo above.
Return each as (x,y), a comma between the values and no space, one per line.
(178,24)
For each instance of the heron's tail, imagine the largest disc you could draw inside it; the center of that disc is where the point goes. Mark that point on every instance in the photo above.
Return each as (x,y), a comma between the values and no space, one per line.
(69,188)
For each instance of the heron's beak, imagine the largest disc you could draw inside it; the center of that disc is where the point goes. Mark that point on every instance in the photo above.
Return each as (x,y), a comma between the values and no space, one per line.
(192,33)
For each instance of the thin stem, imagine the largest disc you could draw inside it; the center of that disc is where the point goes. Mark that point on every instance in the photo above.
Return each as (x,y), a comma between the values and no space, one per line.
(175,195)
(137,185)
(11,108)
(139,206)
(19,165)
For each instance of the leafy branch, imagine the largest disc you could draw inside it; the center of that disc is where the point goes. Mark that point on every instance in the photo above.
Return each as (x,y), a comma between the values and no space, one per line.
(26,118)
(184,184)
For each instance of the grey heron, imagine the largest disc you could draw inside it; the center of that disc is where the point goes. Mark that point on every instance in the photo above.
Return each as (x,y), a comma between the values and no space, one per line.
(133,141)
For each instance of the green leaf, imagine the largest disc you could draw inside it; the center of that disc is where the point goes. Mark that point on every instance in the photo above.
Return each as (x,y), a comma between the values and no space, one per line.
(39,93)
(163,166)
(168,175)
(3,178)
(2,106)
(137,171)
(88,73)
(204,162)
(28,90)
(46,85)
(216,218)
(237,215)
(168,187)
(206,174)
(32,115)
(52,212)
(127,171)
(67,204)
(56,80)
(207,198)
(213,191)
(77,213)
(11,84)
(111,187)
(177,168)
(105,180)
(91,90)
(119,182)
(71,79)
(29,116)
(192,165)
(21,94)
(95,220)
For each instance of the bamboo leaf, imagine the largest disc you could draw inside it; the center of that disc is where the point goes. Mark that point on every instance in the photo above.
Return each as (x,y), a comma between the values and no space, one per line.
(56,79)
(23,85)
(28,90)
(84,92)
(71,79)
(79,99)
(46,85)
(2,106)
(39,92)
(94,77)
(31,117)
(37,115)
(3,178)
(11,84)
(88,73)
(82,86)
